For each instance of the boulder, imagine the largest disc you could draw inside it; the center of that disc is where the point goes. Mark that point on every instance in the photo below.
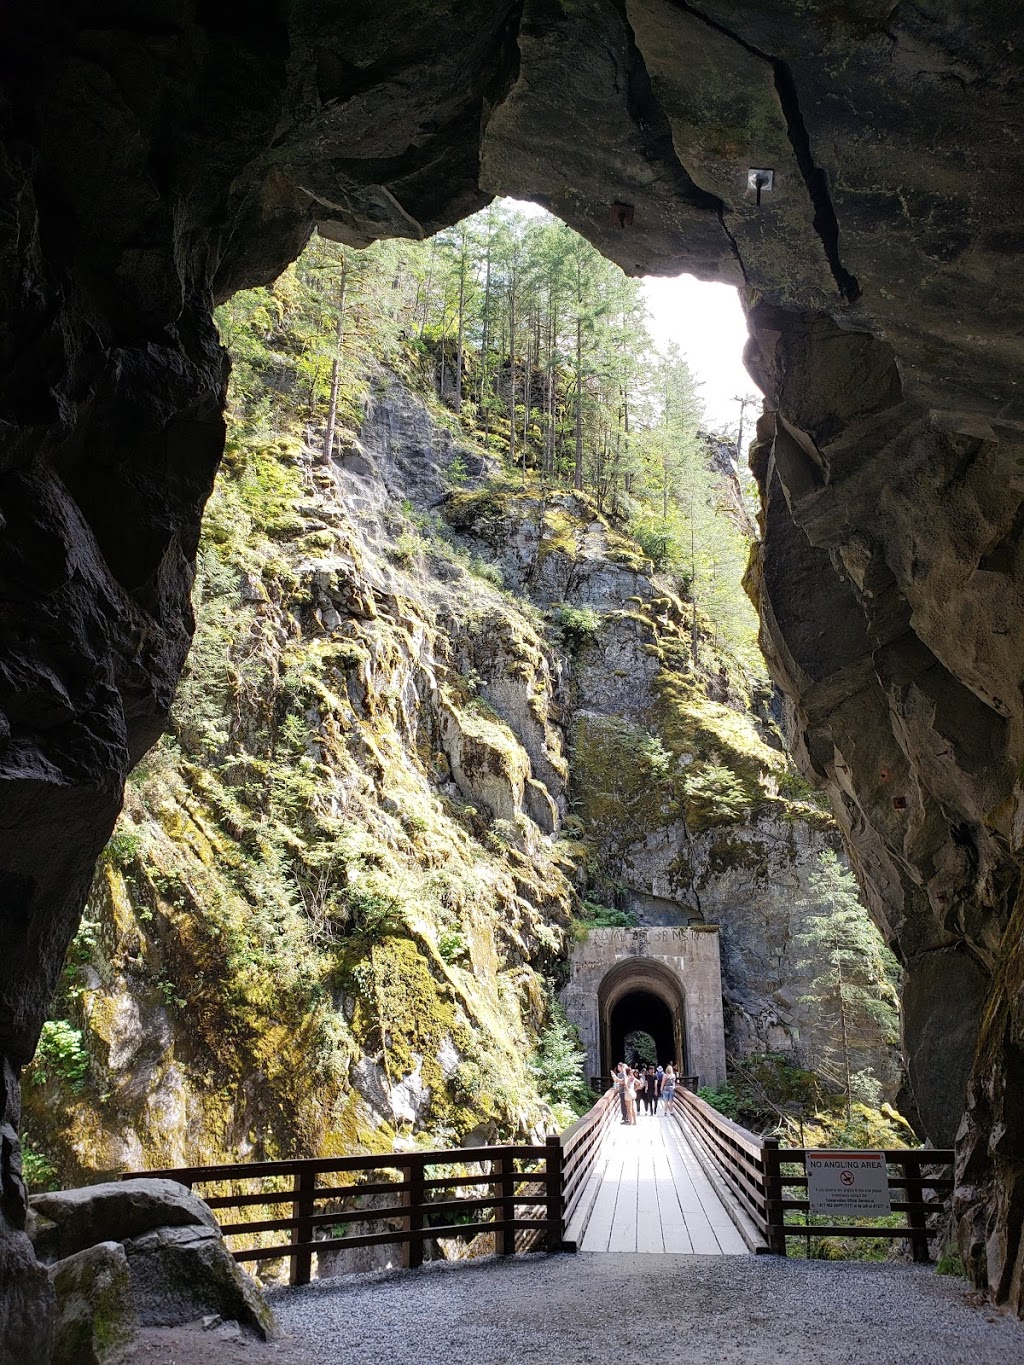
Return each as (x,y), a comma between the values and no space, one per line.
(96,1318)
(26,1302)
(44,1235)
(117,1210)
(181,1274)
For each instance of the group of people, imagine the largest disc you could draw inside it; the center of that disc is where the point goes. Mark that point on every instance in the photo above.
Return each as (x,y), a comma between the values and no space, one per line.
(635,1086)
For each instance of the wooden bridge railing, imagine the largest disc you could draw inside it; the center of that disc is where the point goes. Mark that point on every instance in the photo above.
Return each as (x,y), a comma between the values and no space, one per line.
(581,1145)
(525,1195)
(599,1084)
(519,1186)
(753,1169)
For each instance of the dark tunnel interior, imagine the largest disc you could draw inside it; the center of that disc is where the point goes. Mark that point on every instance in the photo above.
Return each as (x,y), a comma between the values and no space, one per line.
(642,1010)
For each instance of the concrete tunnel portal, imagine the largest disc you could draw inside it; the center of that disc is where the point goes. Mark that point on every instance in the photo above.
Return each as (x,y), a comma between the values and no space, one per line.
(659,979)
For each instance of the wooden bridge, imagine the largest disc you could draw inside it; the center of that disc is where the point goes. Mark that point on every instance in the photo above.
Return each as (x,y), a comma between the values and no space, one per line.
(685,1181)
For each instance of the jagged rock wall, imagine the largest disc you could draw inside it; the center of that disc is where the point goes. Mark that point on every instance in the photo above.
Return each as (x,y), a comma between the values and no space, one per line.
(405,647)
(148,162)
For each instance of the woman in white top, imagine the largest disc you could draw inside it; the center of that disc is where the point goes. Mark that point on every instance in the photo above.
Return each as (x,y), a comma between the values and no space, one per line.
(668,1087)
(630,1096)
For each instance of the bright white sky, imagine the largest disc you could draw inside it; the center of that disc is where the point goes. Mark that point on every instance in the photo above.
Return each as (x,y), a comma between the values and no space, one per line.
(707,323)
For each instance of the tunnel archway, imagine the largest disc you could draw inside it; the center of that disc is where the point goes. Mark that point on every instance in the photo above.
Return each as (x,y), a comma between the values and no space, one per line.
(641,995)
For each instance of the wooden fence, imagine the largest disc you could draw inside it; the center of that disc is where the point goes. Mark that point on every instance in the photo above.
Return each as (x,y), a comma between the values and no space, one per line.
(599,1084)
(753,1169)
(517,1190)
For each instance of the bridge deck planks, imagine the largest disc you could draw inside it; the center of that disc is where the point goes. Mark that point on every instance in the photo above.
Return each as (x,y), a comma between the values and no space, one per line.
(655,1197)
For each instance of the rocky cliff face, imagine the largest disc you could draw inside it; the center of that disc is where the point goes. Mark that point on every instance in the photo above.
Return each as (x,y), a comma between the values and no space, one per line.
(421,719)
(147,163)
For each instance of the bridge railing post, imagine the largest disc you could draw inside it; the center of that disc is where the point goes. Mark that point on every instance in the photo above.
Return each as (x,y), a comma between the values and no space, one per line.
(505,1209)
(554,1189)
(302,1211)
(775,1214)
(412,1250)
(916,1217)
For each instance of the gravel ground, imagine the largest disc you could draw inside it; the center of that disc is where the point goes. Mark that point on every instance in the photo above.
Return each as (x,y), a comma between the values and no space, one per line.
(689,1310)
(193,1346)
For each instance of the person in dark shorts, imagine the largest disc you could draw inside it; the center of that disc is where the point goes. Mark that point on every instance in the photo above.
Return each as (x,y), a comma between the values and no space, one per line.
(651,1089)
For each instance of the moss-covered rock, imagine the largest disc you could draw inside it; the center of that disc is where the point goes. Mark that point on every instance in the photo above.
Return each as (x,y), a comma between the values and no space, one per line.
(97,1321)
(330,915)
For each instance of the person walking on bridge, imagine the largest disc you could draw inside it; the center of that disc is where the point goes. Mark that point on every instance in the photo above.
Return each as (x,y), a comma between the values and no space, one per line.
(619,1086)
(630,1092)
(668,1087)
(651,1090)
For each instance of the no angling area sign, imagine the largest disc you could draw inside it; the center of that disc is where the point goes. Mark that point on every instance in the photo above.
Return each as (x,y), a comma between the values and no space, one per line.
(847,1182)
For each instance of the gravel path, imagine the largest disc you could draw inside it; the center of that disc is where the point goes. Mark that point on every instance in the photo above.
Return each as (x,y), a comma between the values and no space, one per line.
(690,1310)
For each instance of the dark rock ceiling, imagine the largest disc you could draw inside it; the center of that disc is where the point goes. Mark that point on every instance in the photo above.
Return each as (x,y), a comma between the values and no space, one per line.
(156,154)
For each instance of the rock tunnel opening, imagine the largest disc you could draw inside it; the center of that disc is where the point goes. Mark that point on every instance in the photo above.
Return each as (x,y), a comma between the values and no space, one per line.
(638,995)
(642,1012)
(237,200)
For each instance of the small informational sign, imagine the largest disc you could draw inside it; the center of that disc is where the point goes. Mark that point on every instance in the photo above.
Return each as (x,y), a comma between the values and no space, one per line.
(847,1182)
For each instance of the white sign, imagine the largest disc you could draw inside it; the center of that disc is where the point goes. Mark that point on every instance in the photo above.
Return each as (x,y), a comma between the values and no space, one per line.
(847,1182)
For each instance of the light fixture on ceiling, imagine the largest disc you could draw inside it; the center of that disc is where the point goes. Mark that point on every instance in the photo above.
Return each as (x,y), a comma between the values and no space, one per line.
(758,181)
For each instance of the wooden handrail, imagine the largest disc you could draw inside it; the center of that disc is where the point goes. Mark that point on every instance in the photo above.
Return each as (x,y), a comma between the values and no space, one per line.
(533,1190)
(238,1170)
(752,1168)
(524,1192)
(581,1146)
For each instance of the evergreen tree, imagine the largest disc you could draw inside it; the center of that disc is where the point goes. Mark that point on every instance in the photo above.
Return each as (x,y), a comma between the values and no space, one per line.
(540,347)
(852,979)
(559,1062)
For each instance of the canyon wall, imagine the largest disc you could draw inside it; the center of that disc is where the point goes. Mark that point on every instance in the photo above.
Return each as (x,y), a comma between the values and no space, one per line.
(426,715)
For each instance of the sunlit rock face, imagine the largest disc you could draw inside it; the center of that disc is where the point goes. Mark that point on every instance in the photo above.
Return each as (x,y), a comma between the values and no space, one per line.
(153,158)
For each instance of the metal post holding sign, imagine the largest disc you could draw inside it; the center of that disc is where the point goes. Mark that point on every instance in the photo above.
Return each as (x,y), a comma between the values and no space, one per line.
(847,1182)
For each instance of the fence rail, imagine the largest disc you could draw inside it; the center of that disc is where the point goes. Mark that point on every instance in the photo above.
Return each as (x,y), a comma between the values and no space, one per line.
(521,1190)
(600,1084)
(581,1146)
(753,1169)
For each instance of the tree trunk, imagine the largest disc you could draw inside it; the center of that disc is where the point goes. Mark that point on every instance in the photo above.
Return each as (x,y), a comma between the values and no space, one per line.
(844,1029)
(332,410)
(462,326)
(577,474)
(486,338)
(693,589)
(512,377)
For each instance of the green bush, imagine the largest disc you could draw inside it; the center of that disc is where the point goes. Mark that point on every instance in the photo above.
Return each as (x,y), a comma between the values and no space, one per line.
(458,470)
(951,1264)
(406,549)
(37,1169)
(452,945)
(559,1062)
(717,791)
(375,913)
(60,1055)
(656,545)
(604,917)
(123,847)
(724,1099)
(490,573)
(576,626)
(640,1049)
